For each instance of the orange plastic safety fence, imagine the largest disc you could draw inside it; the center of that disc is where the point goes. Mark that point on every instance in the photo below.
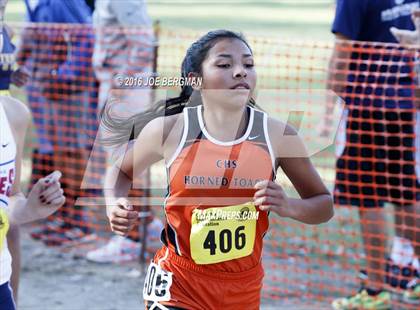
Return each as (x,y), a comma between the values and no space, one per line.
(354,108)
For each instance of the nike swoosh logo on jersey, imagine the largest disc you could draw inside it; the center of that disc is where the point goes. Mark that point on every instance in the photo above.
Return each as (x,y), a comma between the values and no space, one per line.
(4,145)
(252,138)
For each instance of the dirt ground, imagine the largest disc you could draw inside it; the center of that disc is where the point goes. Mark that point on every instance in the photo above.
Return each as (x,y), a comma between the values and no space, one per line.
(60,279)
(54,279)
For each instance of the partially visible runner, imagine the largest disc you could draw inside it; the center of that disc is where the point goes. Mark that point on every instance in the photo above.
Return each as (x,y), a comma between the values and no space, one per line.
(17,76)
(377,162)
(45,197)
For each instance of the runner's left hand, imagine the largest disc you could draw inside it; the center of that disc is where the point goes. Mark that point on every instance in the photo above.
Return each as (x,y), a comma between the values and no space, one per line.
(270,196)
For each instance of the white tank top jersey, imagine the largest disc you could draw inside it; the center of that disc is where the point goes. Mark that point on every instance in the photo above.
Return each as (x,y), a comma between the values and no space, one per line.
(7,174)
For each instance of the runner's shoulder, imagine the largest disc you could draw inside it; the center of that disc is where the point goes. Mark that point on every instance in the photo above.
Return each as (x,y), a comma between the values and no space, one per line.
(17,112)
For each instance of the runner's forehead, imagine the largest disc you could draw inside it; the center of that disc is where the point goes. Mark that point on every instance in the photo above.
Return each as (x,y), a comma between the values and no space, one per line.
(227,48)
(230,56)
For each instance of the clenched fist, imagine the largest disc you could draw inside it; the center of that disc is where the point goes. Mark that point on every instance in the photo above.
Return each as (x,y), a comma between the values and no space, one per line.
(122,217)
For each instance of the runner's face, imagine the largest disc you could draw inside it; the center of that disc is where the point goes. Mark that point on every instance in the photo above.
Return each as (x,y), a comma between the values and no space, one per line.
(228,72)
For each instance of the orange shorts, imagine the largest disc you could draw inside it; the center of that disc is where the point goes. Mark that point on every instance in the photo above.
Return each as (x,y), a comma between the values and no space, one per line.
(195,287)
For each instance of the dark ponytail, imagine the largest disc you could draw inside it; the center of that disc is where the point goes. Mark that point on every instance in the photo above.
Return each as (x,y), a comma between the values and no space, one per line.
(119,129)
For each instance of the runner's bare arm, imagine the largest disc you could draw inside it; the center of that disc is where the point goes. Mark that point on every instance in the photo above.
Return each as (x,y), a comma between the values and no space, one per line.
(146,151)
(315,205)
(27,209)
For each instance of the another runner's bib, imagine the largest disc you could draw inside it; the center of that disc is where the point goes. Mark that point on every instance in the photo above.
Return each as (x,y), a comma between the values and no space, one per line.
(4,227)
(223,233)
(157,284)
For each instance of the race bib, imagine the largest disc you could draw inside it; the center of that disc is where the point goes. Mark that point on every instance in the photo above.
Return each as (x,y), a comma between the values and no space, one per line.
(157,284)
(223,233)
(4,227)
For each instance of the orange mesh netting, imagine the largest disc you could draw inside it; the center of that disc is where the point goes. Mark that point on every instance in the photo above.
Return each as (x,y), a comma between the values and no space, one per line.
(312,264)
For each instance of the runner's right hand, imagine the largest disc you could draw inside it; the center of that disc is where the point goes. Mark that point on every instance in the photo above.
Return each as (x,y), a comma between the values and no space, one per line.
(122,217)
